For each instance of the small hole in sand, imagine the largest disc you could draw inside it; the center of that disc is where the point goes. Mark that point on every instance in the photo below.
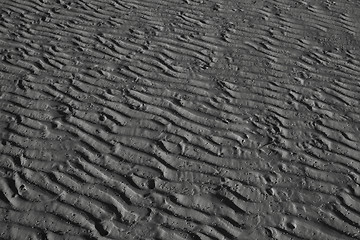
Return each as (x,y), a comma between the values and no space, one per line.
(290,226)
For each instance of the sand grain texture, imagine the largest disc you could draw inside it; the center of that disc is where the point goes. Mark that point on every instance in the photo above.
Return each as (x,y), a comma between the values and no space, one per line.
(179,119)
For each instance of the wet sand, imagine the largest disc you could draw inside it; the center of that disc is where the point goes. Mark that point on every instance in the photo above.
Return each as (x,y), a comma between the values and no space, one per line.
(179,119)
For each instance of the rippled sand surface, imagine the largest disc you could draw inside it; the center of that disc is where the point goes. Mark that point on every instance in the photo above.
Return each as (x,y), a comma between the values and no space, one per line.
(179,120)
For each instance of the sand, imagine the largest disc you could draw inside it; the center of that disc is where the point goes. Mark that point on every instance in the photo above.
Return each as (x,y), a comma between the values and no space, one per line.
(180,119)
